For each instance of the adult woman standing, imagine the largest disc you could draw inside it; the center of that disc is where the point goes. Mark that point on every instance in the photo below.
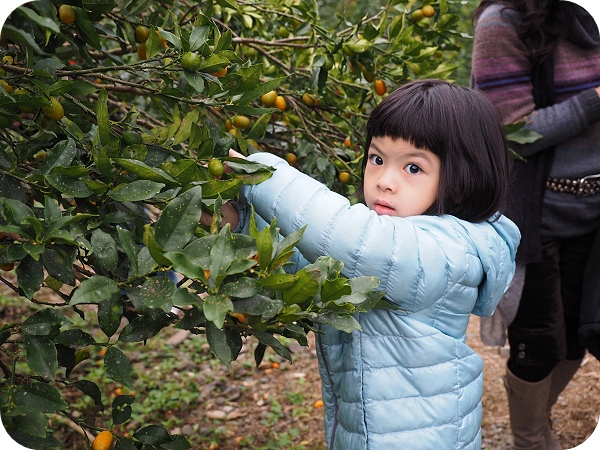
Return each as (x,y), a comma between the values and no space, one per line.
(540,61)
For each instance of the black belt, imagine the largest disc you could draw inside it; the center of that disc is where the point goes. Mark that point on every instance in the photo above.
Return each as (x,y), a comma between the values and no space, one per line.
(589,185)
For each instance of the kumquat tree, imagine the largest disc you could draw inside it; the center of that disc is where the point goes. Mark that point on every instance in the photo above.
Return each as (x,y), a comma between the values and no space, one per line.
(116,117)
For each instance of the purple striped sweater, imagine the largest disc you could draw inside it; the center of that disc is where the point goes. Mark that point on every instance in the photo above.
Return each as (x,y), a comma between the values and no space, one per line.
(572,125)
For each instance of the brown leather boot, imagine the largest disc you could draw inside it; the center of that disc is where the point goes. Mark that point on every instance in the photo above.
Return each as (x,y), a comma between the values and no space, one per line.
(561,375)
(527,404)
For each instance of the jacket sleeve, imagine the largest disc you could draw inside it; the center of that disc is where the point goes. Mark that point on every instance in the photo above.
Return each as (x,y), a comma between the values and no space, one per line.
(503,72)
(395,250)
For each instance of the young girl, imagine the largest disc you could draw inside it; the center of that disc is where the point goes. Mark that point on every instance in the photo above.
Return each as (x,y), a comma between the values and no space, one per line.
(435,175)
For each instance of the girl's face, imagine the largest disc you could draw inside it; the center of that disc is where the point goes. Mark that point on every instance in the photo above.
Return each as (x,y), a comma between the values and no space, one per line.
(400,179)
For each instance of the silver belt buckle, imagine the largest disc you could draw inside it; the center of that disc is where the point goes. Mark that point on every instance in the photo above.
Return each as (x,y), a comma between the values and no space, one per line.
(586,179)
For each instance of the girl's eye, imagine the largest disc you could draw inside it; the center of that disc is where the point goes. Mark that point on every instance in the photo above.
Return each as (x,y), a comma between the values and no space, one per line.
(413,169)
(376,159)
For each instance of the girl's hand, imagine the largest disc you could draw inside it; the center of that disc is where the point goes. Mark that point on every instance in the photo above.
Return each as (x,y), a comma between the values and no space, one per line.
(234,154)
(229,214)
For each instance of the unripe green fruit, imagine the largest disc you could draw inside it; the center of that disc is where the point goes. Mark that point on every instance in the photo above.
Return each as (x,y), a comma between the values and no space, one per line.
(215,167)
(191,61)
(132,137)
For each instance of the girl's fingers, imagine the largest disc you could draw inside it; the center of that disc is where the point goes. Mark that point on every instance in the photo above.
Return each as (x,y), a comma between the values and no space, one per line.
(234,154)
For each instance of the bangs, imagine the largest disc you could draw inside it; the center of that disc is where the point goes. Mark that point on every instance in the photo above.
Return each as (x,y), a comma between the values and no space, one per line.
(418,116)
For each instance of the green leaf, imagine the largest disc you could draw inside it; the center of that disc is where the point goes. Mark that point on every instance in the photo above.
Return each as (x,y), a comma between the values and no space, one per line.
(334,289)
(74,338)
(125,444)
(152,247)
(130,248)
(69,186)
(290,241)
(99,6)
(184,265)
(271,341)
(26,421)
(18,211)
(41,355)
(153,44)
(156,292)
(105,250)
(46,322)
(199,36)
(86,28)
(121,408)
(94,290)
(152,435)
(523,136)
(176,225)
(136,191)
(34,441)
(90,389)
(216,308)
(44,22)
(228,4)
(259,305)
(259,128)
(118,367)
(41,396)
(110,313)
(213,63)
(51,210)
(225,189)
(102,117)
(145,172)
(262,89)
(185,128)
(264,243)
(179,442)
(172,38)
(278,281)
(61,155)
(243,288)
(192,318)
(361,289)
(304,288)
(195,80)
(222,254)
(347,324)
(30,275)
(183,297)
(146,326)
(58,261)
(183,170)
(22,37)
(219,345)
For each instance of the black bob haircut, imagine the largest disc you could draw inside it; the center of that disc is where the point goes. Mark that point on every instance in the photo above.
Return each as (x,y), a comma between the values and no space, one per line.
(464,130)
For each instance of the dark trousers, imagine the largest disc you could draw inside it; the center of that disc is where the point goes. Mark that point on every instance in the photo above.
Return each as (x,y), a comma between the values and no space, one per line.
(545,328)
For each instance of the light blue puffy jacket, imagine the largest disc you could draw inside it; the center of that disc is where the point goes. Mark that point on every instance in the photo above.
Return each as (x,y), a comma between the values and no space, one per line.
(407,380)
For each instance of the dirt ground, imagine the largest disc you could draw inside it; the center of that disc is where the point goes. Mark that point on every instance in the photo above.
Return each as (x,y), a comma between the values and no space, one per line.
(273,406)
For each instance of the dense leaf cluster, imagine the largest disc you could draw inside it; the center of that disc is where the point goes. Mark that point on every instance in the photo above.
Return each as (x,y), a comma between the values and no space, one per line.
(105,140)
